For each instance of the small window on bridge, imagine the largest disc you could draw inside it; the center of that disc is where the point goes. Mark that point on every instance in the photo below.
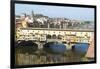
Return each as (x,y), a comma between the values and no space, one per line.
(48,36)
(54,36)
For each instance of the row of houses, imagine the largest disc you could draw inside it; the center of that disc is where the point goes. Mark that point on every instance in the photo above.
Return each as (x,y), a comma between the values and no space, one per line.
(61,35)
(41,21)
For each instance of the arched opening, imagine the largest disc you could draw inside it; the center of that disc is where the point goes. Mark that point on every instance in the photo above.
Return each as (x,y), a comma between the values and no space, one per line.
(48,36)
(54,36)
(59,36)
(26,47)
(54,48)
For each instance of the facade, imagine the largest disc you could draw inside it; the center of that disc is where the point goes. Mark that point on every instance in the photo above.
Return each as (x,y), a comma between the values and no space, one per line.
(43,35)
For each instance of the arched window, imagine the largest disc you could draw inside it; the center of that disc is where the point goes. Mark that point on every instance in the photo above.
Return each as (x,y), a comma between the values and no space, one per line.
(48,36)
(54,36)
(59,36)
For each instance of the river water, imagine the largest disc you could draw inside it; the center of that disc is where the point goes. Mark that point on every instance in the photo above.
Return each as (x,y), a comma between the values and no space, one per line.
(43,57)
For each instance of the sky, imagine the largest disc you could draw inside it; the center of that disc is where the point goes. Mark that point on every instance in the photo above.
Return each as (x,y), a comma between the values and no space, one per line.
(77,13)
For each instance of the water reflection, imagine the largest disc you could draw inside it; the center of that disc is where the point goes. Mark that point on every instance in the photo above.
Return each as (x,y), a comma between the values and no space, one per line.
(49,54)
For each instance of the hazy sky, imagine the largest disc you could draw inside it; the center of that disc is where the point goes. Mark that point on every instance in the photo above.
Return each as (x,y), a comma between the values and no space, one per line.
(56,11)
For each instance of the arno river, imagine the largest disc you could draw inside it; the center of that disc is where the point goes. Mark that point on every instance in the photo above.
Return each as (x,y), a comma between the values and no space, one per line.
(42,56)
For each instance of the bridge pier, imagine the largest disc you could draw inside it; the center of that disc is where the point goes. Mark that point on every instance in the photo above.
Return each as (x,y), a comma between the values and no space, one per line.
(40,45)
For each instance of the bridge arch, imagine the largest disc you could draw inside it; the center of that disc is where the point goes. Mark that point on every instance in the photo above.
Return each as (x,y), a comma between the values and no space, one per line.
(26,46)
